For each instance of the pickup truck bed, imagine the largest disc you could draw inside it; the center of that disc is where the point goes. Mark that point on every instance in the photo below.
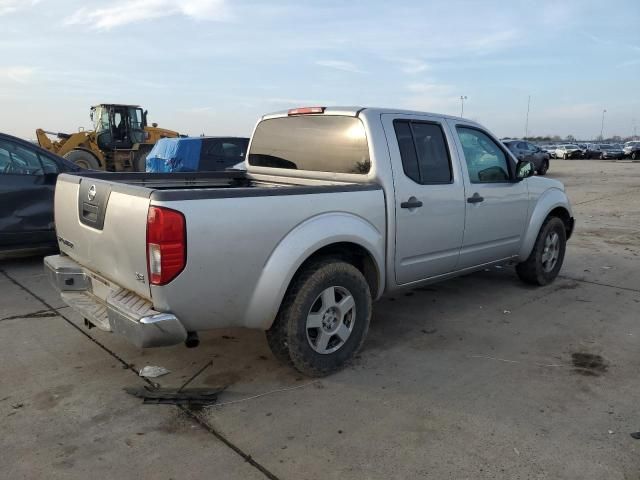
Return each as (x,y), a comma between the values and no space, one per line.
(105,246)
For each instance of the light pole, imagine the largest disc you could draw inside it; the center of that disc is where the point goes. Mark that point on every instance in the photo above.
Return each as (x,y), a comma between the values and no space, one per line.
(602,126)
(526,125)
(462,99)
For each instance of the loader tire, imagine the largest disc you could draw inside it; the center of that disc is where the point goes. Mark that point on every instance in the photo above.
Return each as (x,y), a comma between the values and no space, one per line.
(83,159)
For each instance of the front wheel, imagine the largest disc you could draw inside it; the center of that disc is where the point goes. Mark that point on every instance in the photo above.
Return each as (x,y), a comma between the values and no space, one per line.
(634,155)
(83,159)
(545,261)
(324,318)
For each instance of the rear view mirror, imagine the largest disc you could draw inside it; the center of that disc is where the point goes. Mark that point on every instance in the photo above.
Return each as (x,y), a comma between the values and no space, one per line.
(524,169)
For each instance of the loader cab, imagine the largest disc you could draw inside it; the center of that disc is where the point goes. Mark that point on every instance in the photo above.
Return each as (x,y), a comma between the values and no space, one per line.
(118,126)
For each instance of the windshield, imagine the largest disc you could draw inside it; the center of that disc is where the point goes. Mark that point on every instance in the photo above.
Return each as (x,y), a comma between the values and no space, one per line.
(100,118)
(606,146)
(135,118)
(320,143)
(575,147)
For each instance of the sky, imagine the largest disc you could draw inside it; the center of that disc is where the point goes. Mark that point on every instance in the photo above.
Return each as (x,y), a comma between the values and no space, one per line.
(215,66)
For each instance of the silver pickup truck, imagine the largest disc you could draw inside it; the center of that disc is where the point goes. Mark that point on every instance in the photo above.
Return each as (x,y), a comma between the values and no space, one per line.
(338,206)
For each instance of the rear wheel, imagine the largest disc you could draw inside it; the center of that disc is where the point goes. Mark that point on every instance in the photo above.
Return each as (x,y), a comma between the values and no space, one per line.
(83,159)
(544,167)
(324,318)
(545,261)
(634,155)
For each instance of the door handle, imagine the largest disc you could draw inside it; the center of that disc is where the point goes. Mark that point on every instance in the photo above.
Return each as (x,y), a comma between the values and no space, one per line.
(413,202)
(476,198)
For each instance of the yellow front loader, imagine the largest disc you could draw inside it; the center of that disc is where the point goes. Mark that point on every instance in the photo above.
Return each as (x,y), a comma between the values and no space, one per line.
(119,141)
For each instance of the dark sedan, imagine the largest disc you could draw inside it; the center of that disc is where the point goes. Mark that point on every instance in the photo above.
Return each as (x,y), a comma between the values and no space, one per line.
(527,151)
(27,181)
(608,151)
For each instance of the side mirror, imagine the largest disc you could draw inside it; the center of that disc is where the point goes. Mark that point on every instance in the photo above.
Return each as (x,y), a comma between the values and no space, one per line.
(524,169)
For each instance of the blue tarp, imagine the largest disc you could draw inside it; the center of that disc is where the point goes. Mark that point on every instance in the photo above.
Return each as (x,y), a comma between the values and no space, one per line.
(174,155)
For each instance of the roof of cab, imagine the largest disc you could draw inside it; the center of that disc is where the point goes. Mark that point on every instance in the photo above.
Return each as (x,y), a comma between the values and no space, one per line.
(354,111)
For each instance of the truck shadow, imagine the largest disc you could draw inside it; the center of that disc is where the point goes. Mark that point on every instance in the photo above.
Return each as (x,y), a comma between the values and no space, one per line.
(436,315)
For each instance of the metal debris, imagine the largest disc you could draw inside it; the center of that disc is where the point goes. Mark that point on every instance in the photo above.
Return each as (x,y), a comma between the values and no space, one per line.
(153,371)
(192,397)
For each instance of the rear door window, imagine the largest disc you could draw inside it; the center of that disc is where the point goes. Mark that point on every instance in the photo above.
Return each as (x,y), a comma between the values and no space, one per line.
(48,164)
(17,160)
(424,152)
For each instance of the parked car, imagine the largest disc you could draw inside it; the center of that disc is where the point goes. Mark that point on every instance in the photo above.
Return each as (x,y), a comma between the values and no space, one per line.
(632,150)
(523,150)
(568,151)
(27,180)
(196,154)
(550,149)
(592,151)
(339,206)
(608,151)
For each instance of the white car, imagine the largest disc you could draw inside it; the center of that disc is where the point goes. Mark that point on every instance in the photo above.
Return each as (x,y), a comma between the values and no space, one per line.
(568,151)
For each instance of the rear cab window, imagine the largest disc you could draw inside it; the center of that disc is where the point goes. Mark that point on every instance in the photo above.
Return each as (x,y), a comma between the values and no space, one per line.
(317,143)
(423,151)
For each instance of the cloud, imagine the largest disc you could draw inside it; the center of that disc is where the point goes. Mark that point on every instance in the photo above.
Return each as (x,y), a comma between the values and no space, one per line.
(411,65)
(493,41)
(18,74)
(340,65)
(431,96)
(574,111)
(629,63)
(132,11)
(298,101)
(10,6)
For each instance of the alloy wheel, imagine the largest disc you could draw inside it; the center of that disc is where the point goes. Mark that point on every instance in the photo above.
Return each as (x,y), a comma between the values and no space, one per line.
(330,320)
(551,251)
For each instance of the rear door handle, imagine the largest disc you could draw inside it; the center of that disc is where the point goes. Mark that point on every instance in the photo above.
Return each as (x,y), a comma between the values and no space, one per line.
(413,202)
(476,198)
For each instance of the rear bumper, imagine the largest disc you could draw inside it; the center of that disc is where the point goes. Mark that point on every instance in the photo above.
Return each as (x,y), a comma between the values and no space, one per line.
(112,308)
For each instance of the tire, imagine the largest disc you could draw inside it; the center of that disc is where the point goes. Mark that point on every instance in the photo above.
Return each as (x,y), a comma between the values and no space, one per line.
(314,298)
(533,270)
(543,168)
(140,160)
(564,156)
(634,155)
(83,159)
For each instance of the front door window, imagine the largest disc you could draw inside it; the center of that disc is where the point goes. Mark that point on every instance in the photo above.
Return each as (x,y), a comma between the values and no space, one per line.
(486,161)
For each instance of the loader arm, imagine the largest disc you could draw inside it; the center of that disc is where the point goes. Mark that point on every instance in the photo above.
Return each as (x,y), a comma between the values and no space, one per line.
(44,141)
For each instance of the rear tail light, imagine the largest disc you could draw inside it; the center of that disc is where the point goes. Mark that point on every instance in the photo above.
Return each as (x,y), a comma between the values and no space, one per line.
(166,244)
(306,110)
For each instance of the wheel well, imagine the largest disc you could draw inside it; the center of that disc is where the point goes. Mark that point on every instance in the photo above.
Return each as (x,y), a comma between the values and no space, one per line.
(563,215)
(354,254)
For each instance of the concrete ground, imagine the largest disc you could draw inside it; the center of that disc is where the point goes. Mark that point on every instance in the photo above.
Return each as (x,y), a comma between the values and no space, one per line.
(477,377)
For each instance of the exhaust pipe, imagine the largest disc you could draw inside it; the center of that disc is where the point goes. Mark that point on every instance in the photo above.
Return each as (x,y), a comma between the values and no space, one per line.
(192,340)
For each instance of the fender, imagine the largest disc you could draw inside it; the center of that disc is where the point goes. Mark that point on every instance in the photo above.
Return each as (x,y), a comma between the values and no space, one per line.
(550,199)
(296,247)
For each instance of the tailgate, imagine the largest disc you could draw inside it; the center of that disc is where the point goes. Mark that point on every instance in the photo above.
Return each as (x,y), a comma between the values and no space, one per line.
(102,226)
